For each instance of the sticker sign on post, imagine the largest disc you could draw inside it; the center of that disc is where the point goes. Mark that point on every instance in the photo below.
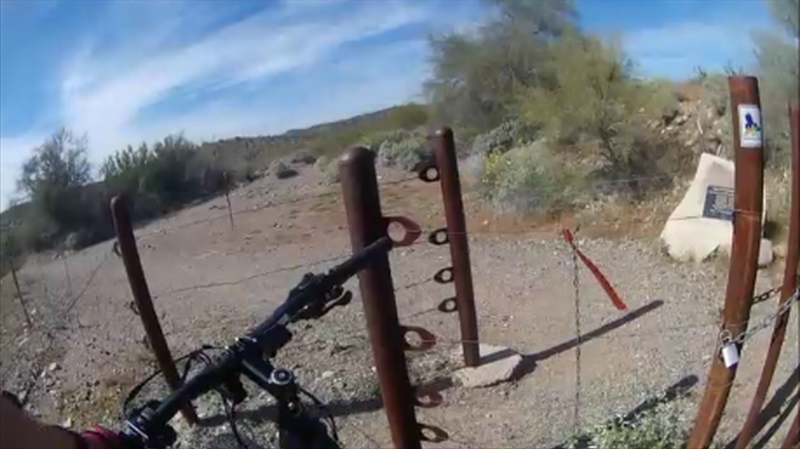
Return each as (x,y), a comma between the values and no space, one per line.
(751,133)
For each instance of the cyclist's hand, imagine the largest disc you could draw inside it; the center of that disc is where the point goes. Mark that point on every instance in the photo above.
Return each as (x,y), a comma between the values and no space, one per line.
(101,438)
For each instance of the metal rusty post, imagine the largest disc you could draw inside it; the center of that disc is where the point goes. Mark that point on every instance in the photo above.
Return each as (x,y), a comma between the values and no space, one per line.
(228,200)
(19,295)
(144,303)
(793,436)
(444,149)
(366,222)
(748,205)
(787,290)
(66,272)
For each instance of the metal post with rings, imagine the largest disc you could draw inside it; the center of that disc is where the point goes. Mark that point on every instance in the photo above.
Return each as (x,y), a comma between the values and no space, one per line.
(445,171)
(790,274)
(748,202)
(367,224)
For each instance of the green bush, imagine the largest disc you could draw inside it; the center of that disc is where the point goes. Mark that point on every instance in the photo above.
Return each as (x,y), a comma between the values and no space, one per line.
(530,180)
(501,139)
(406,150)
(599,112)
(475,76)
(660,428)
(167,176)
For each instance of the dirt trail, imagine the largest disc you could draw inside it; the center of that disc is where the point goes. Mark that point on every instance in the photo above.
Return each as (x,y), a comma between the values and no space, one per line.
(209,283)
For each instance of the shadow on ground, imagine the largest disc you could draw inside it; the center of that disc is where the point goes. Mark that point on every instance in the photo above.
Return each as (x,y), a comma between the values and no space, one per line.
(778,409)
(529,361)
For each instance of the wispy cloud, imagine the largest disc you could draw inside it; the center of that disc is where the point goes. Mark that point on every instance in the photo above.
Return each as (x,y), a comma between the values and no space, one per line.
(262,46)
(126,71)
(210,70)
(676,49)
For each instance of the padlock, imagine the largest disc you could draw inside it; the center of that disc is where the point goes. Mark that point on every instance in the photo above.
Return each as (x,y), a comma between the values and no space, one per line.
(730,354)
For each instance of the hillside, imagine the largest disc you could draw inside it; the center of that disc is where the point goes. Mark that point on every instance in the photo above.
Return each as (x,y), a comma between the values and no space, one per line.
(255,153)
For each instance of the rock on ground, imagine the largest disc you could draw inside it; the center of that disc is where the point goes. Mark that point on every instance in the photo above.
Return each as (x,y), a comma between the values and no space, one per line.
(694,231)
(498,364)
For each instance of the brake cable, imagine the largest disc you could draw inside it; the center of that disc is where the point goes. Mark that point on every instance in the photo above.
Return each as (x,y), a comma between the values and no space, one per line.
(135,391)
(324,409)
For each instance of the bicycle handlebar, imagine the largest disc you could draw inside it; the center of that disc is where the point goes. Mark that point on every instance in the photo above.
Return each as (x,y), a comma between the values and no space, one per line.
(312,298)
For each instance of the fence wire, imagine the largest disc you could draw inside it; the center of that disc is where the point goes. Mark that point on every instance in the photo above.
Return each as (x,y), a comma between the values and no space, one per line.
(73,299)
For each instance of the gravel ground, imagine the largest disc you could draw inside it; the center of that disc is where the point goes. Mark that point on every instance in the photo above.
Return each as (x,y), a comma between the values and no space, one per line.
(524,292)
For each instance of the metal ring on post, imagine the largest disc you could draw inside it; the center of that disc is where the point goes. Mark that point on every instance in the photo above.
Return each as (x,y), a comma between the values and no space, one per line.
(444,276)
(432,434)
(449,305)
(439,237)
(412,230)
(425,173)
(428,340)
(427,397)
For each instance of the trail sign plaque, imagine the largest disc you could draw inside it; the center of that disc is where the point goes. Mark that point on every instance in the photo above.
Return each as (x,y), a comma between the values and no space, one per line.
(719,203)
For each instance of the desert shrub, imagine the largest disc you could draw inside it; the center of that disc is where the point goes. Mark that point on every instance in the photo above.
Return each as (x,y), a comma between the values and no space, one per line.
(597,111)
(530,180)
(406,150)
(475,75)
(662,427)
(167,175)
(501,139)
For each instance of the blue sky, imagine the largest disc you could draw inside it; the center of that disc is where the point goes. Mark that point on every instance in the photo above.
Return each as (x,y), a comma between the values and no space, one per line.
(124,71)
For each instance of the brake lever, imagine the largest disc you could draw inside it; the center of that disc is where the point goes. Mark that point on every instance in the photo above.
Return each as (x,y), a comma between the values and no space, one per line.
(334,297)
(343,300)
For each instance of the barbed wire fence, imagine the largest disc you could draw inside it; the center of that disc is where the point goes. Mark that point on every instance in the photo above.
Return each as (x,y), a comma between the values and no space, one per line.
(62,300)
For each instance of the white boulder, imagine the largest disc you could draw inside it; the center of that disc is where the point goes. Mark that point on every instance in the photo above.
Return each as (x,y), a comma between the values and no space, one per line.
(702,223)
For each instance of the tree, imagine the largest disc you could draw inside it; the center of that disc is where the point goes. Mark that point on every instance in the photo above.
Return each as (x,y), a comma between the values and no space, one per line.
(475,76)
(52,178)
(59,163)
(596,107)
(127,161)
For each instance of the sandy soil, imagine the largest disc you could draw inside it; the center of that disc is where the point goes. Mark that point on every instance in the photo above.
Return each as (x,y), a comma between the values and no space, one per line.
(210,282)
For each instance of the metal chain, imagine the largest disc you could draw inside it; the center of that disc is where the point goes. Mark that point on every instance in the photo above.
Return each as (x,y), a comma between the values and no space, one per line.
(578,336)
(727,338)
(766,295)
